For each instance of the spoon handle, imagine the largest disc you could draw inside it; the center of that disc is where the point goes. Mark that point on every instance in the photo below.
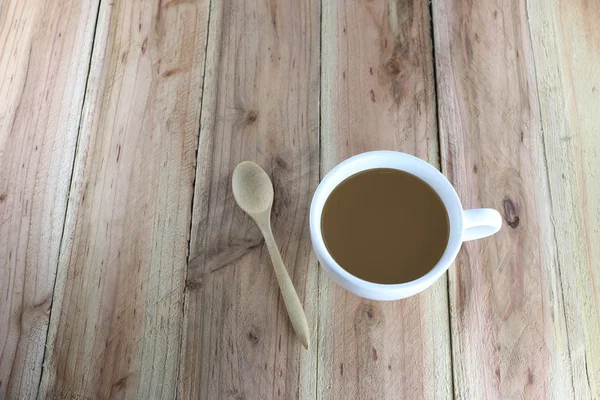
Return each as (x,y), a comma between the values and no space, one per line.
(290,297)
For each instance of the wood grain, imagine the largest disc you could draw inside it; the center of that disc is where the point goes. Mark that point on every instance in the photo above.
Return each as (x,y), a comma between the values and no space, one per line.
(378,93)
(511,334)
(566,48)
(116,318)
(45,48)
(260,104)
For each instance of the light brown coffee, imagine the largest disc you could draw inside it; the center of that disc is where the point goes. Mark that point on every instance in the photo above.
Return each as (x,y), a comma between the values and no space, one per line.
(385,226)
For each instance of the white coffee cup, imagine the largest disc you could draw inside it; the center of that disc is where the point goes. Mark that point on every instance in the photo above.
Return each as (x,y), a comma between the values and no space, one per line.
(464,224)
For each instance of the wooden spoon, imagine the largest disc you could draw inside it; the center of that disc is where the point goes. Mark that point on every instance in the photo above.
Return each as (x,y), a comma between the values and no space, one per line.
(253,192)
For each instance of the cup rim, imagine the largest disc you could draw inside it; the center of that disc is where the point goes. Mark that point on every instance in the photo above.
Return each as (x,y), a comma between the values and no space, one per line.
(416,285)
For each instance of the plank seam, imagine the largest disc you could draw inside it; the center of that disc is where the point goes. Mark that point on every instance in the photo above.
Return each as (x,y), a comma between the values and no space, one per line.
(320,172)
(442,164)
(77,142)
(185,288)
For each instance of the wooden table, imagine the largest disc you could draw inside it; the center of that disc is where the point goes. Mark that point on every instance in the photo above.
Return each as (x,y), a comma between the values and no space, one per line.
(127,271)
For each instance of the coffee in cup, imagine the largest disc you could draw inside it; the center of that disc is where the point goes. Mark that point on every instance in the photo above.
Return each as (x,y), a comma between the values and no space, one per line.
(385,225)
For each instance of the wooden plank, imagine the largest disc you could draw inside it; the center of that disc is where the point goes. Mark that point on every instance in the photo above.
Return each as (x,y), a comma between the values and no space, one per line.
(566,42)
(378,93)
(261,104)
(117,311)
(510,338)
(45,48)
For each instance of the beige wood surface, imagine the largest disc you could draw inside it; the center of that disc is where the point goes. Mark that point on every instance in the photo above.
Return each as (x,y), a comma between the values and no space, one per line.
(115,327)
(45,48)
(522,303)
(378,93)
(261,103)
(566,47)
(127,270)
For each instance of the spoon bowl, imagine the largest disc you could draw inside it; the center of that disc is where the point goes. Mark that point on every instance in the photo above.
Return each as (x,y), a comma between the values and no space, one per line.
(252,188)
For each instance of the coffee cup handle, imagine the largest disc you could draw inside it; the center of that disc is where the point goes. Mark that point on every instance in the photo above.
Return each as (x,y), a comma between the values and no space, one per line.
(480,222)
